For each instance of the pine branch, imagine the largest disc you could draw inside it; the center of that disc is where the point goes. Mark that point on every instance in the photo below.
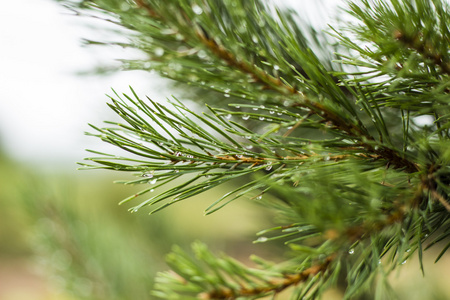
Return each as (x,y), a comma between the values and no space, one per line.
(276,84)
(179,157)
(425,49)
(441,199)
(276,286)
(228,279)
(355,174)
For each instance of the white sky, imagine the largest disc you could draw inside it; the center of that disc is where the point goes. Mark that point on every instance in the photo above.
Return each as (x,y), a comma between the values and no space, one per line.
(44,105)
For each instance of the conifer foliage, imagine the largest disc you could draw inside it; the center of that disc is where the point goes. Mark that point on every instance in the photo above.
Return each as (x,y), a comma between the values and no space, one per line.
(348,131)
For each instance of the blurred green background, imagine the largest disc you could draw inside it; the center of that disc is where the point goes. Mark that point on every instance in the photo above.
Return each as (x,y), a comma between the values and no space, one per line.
(63,236)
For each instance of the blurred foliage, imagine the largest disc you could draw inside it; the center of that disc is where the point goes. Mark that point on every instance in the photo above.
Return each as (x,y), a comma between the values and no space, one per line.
(72,229)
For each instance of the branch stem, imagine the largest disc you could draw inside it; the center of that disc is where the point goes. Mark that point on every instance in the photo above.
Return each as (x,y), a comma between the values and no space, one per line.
(424,48)
(393,157)
(275,286)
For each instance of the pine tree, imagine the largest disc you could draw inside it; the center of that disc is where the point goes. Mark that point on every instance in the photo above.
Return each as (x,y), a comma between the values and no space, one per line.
(348,131)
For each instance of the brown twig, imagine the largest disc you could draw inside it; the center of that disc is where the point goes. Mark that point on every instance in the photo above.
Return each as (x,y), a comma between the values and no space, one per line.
(297,124)
(441,199)
(358,232)
(398,213)
(429,184)
(149,10)
(257,74)
(275,285)
(423,48)
(316,108)
(263,160)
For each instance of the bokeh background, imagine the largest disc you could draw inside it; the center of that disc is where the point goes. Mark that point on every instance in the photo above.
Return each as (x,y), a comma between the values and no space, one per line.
(62,234)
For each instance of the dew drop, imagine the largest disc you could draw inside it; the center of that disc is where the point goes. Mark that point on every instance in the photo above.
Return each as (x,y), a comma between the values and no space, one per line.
(228,116)
(175,67)
(249,147)
(226,95)
(159,51)
(182,49)
(202,54)
(261,118)
(276,67)
(192,78)
(351,251)
(148,175)
(254,39)
(403,262)
(168,31)
(153,181)
(262,239)
(271,112)
(268,168)
(124,6)
(243,28)
(287,103)
(259,197)
(197,9)
(245,117)
(255,108)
